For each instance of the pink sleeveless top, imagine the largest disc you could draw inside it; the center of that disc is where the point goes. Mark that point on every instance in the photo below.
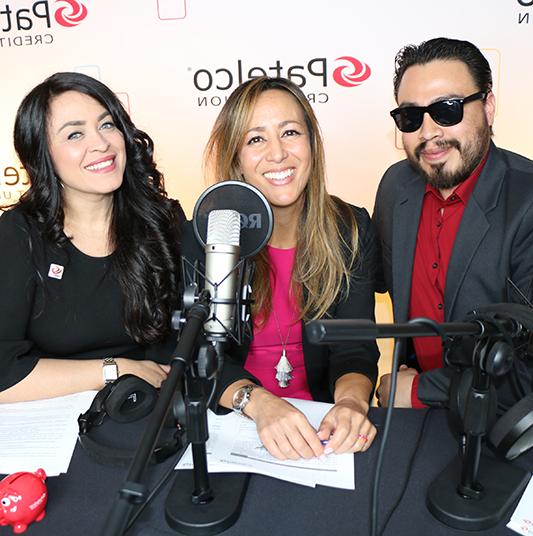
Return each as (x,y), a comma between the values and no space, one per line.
(267,344)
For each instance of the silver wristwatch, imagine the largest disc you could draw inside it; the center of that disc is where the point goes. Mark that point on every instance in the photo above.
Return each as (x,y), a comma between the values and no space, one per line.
(241,397)
(109,370)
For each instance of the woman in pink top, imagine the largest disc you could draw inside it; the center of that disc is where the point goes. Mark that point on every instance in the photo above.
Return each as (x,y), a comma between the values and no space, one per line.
(319,263)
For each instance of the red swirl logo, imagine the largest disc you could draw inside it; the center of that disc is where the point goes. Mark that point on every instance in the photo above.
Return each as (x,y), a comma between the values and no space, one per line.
(72,14)
(352,73)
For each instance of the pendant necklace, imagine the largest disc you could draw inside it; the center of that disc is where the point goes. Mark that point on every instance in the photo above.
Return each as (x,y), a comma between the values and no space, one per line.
(284,367)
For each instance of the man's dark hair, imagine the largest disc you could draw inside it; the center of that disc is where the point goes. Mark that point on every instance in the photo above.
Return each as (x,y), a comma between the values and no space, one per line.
(442,48)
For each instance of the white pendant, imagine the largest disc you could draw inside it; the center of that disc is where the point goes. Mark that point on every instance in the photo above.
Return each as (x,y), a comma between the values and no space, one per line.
(283,370)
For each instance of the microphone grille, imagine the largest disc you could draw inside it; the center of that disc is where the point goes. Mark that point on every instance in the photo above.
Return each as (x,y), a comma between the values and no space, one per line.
(224,227)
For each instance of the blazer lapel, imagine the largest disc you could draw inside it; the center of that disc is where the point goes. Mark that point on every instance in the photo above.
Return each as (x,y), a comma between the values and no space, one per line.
(474,226)
(405,228)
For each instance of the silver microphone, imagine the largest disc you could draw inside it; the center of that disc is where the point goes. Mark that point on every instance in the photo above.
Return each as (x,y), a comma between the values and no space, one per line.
(222,252)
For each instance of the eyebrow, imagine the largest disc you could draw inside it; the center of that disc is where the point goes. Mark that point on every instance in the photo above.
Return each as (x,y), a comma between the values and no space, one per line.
(282,124)
(81,123)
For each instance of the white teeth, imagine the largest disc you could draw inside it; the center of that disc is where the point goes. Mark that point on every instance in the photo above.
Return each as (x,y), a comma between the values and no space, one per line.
(100,165)
(279,175)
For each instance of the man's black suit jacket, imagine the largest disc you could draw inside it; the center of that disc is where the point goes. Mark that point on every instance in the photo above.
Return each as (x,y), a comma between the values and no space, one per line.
(494,242)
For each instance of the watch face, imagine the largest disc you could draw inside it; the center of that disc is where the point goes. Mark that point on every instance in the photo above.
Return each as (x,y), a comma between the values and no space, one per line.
(238,399)
(241,397)
(110,372)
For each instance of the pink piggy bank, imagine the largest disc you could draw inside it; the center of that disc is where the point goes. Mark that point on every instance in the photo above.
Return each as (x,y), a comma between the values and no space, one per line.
(23,497)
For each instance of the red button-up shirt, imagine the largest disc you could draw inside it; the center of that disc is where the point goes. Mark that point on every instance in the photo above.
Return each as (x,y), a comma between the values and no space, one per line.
(437,229)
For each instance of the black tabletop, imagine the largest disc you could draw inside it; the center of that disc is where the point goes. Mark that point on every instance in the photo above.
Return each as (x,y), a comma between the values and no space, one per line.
(80,501)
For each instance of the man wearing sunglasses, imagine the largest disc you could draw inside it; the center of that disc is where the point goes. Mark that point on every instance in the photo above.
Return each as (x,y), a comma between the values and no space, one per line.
(455,219)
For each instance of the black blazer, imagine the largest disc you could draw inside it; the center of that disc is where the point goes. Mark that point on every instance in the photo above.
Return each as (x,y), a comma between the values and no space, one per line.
(323,364)
(494,242)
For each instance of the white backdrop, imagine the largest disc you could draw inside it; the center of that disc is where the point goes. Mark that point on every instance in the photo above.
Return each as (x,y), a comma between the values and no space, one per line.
(165,59)
(151,51)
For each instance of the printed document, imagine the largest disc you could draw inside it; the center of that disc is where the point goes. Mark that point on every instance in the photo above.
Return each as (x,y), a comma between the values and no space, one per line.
(522,518)
(41,434)
(234,446)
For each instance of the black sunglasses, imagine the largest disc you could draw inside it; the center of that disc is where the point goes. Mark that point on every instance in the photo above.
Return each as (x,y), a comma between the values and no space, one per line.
(446,113)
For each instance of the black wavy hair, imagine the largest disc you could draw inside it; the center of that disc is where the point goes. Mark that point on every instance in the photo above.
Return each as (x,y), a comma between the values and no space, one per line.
(145,223)
(444,48)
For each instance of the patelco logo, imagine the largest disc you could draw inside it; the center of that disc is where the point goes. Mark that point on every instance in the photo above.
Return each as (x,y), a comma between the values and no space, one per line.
(33,24)
(70,15)
(353,74)
(350,73)
(316,75)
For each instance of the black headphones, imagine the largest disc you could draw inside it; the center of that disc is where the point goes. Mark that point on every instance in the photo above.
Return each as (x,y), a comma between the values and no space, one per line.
(511,434)
(127,399)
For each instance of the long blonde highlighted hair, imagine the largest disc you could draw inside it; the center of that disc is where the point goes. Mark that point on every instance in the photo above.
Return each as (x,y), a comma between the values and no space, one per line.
(323,257)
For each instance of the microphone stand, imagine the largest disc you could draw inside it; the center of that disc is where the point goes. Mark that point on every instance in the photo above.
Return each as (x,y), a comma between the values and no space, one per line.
(475,491)
(199,503)
(133,491)
(456,497)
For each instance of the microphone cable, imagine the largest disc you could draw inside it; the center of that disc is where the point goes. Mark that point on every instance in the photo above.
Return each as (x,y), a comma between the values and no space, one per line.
(398,349)
(410,466)
(377,473)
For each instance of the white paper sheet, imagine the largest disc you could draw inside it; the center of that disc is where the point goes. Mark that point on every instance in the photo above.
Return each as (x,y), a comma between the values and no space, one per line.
(42,433)
(522,518)
(234,445)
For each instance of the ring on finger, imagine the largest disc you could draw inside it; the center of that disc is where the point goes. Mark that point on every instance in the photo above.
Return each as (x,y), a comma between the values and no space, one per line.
(362,437)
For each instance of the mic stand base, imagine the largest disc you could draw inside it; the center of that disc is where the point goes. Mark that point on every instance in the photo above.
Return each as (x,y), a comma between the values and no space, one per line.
(205,519)
(502,486)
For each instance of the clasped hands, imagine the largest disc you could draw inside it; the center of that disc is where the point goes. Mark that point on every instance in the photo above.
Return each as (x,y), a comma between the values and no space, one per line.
(287,434)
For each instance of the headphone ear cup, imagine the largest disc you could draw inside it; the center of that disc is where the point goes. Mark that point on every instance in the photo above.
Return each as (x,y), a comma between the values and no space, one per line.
(131,399)
(125,400)
(498,360)
(513,432)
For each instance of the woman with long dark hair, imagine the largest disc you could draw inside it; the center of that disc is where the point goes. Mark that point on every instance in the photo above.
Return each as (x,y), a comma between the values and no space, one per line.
(319,263)
(89,263)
